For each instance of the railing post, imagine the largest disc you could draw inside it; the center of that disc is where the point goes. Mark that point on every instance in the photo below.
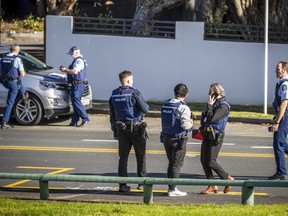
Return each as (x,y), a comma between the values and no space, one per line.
(148,193)
(247,195)
(44,190)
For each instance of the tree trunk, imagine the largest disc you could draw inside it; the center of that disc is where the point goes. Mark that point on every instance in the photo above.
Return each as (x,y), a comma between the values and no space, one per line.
(0,16)
(189,11)
(54,7)
(41,8)
(246,12)
(65,7)
(149,10)
(278,12)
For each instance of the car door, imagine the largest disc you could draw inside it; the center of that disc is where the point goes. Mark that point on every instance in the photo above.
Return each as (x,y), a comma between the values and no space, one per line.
(3,93)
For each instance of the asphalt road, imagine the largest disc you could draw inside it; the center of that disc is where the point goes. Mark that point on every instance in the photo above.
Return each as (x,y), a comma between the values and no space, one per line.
(53,147)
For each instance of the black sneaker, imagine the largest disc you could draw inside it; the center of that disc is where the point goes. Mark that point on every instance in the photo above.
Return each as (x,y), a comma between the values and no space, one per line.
(73,124)
(5,125)
(278,177)
(140,187)
(124,188)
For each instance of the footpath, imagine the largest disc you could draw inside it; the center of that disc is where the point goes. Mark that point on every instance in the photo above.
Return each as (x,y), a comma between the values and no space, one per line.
(102,107)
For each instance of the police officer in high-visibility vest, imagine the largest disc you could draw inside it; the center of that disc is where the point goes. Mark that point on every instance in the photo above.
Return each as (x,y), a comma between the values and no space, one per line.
(213,124)
(280,125)
(127,106)
(76,76)
(176,125)
(12,70)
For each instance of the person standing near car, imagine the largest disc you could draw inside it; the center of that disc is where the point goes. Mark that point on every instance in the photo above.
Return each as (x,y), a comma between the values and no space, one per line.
(76,76)
(280,125)
(12,70)
(213,124)
(127,106)
(176,125)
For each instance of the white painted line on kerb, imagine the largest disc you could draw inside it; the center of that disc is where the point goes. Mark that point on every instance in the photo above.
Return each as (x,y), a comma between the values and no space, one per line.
(261,147)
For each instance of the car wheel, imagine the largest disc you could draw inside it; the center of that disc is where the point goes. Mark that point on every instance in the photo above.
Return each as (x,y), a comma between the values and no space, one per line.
(29,113)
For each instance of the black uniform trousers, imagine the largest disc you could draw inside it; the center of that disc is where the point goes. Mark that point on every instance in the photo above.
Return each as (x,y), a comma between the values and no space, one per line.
(175,152)
(127,139)
(209,154)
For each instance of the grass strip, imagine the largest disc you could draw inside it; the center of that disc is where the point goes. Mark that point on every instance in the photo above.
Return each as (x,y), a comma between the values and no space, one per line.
(13,207)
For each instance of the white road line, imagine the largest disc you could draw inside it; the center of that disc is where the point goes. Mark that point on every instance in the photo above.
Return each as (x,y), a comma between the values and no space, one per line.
(196,143)
(94,140)
(261,147)
(188,143)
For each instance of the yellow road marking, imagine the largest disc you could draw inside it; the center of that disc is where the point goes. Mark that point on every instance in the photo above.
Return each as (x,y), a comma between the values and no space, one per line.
(102,150)
(58,170)
(137,191)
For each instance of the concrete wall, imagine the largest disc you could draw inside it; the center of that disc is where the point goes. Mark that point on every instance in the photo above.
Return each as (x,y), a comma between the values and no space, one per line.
(159,64)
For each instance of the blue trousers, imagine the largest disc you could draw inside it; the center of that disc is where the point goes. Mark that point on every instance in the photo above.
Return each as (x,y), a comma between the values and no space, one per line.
(13,88)
(79,110)
(280,146)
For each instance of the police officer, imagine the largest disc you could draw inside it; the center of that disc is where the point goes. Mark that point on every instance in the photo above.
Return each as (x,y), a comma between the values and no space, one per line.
(12,70)
(127,106)
(213,124)
(76,76)
(176,124)
(280,125)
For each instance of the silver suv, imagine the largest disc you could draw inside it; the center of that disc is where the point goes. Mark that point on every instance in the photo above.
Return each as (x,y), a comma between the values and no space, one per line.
(48,92)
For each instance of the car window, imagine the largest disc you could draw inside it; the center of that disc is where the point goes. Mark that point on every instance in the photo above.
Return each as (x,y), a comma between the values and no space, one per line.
(30,63)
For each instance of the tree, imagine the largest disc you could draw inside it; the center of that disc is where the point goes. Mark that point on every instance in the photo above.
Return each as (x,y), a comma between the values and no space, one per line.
(149,10)
(54,7)
(247,12)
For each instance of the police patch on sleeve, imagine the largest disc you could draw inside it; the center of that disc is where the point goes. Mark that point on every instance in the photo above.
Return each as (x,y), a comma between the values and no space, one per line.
(284,88)
(78,62)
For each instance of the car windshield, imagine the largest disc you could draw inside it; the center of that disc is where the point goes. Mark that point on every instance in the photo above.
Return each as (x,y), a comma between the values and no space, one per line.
(32,64)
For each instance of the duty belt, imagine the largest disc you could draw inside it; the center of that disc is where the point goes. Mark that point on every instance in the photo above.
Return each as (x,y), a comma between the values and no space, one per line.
(11,79)
(128,126)
(76,82)
(178,136)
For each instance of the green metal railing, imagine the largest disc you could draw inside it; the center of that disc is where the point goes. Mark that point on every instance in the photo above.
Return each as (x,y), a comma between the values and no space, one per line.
(247,185)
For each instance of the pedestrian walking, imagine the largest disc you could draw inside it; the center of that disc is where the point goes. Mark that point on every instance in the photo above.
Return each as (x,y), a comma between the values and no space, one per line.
(213,124)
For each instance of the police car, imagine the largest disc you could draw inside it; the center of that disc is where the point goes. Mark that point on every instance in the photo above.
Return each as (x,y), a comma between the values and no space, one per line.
(48,92)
